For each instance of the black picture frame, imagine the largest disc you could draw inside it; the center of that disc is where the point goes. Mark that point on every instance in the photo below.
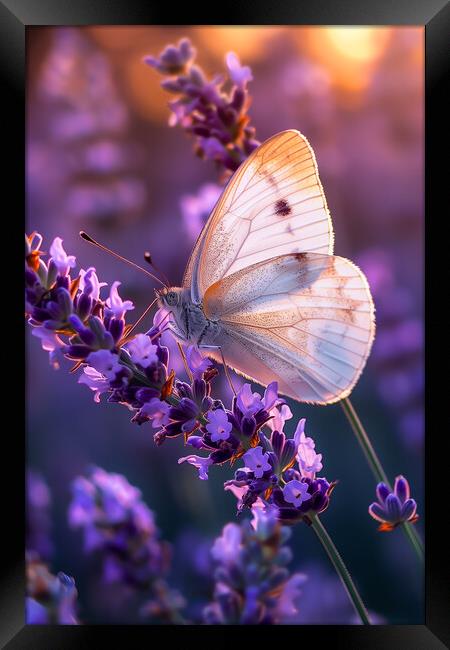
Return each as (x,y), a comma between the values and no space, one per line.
(15,17)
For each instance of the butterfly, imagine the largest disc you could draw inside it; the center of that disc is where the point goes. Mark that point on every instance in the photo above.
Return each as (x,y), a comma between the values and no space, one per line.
(263,292)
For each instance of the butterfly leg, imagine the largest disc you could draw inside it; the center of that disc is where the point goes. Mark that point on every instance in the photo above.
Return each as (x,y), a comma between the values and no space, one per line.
(183,356)
(227,374)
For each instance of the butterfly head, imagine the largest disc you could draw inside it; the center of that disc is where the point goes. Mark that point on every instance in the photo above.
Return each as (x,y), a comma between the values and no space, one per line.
(169,297)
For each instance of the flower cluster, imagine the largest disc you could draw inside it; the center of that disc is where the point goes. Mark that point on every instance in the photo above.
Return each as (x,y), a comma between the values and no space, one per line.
(50,599)
(252,584)
(67,314)
(394,508)
(118,524)
(134,372)
(72,321)
(215,115)
(280,473)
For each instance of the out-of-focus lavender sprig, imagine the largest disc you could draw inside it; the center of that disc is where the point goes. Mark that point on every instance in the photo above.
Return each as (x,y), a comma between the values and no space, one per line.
(38,523)
(196,208)
(252,584)
(399,347)
(82,159)
(118,525)
(214,112)
(50,599)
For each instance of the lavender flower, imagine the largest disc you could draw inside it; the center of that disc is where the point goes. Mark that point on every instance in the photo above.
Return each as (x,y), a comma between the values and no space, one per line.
(142,351)
(257,461)
(217,119)
(252,584)
(394,508)
(219,427)
(174,60)
(296,492)
(61,260)
(50,599)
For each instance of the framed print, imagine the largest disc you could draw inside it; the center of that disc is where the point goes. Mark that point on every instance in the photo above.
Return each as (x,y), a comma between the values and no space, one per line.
(230,412)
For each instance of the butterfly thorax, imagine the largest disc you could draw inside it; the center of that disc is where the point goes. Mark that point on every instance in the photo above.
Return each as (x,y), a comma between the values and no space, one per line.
(188,322)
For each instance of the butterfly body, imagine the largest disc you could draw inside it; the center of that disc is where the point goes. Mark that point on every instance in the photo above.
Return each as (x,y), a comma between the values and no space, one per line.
(188,324)
(263,288)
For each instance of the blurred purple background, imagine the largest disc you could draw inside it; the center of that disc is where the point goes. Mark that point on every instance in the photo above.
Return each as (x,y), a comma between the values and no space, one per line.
(101,157)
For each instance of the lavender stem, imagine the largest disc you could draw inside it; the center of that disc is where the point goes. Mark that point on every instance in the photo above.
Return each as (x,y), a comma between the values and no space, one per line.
(341,569)
(377,469)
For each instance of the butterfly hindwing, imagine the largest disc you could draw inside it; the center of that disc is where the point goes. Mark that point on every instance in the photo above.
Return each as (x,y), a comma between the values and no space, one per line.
(304,319)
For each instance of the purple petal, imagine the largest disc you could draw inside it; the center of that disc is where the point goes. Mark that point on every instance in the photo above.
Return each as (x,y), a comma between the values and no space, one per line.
(409,509)
(401,488)
(382,492)
(377,512)
(393,508)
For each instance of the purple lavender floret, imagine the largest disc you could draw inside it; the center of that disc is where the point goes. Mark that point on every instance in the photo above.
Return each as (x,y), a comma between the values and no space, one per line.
(50,599)
(252,584)
(216,117)
(394,508)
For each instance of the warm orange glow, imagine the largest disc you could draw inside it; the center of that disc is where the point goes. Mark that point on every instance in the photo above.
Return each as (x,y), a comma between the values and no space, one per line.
(143,86)
(364,44)
(349,54)
(249,43)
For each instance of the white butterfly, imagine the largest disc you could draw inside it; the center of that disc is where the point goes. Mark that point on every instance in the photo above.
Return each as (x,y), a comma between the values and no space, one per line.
(262,288)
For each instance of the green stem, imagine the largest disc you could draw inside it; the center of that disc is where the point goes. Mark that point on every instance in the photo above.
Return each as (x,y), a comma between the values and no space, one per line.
(378,470)
(341,569)
(364,441)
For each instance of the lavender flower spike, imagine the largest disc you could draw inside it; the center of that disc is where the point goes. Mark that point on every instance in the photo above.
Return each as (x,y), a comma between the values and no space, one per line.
(394,508)
(119,526)
(217,119)
(252,584)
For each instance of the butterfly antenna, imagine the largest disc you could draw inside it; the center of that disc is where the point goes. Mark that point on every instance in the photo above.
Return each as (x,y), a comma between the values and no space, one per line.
(148,258)
(92,241)
(141,317)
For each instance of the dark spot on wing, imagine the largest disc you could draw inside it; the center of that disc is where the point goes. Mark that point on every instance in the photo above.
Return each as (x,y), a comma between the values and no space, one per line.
(282,208)
(300,256)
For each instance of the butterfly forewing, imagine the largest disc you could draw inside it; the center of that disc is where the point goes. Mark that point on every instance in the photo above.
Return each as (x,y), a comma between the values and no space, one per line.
(273,205)
(306,320)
